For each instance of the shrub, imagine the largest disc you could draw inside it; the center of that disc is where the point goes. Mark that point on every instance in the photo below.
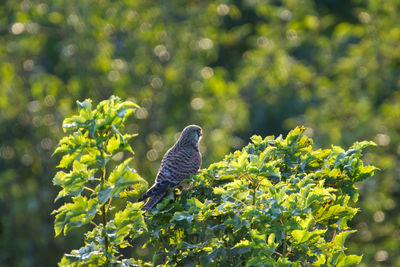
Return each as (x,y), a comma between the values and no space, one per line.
(277,202)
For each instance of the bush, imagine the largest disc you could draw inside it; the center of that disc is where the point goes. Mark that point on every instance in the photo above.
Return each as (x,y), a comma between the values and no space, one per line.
(276,202)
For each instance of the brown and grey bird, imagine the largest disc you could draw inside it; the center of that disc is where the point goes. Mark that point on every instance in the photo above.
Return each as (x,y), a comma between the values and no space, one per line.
(179,162)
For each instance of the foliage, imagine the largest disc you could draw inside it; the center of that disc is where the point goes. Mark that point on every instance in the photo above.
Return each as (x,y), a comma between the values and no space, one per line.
(277,202)
(234,67)
(93,186)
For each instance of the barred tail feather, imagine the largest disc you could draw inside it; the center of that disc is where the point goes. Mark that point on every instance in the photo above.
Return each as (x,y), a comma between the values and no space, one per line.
(146,195)
(156,189)
(153,201)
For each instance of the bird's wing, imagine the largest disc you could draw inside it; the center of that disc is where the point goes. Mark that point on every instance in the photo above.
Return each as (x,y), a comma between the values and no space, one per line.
(178,165)
(175,166)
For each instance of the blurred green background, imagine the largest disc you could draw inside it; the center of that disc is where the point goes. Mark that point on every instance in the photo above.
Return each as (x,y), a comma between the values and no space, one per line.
(234,67)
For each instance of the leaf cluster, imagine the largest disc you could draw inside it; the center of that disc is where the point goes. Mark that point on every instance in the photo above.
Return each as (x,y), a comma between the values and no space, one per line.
(277,202)
(93,183)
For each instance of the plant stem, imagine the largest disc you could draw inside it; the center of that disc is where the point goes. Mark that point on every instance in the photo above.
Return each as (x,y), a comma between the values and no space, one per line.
(254,202)
(89,189)
(103,215)
(254,195)
(284,245)
(334,235)
(109,204)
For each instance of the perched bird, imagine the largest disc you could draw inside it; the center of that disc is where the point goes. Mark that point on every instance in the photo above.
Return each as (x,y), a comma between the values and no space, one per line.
(179,162)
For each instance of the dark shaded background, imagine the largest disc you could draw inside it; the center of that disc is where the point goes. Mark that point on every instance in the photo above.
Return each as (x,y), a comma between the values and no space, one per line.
(236,68)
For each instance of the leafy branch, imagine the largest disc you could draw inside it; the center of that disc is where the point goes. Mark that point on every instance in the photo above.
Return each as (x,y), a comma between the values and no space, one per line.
(277,202)
(95,138)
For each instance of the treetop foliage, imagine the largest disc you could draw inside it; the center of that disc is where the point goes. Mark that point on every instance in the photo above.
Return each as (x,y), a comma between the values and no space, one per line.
(275,202)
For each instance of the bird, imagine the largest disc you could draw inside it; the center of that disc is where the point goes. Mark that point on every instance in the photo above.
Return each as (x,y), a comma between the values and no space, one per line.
(178,163)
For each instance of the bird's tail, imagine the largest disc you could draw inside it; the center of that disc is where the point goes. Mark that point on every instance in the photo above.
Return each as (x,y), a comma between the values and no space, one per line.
(153,201)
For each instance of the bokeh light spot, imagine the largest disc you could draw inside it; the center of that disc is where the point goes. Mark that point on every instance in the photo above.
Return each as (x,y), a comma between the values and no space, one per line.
(113,76)
(141,113)
(7,152)
(49,100)
(207,72)
(223,10)
(152,155)
(197,103)
(17,28)
(381,255)
(382,139)
(28,65)
(379,216)
(27,159)
(205,43)
(33,106)
(156,83)
(364,17)
(285,15)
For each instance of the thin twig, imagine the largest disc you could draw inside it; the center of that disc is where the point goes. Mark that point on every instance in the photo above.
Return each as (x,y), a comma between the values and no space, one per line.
(259,183)
(103,215)
(284,239)
(276,252)
(244,204)
(247,178)
(89,189)
(109,203)
(334,235)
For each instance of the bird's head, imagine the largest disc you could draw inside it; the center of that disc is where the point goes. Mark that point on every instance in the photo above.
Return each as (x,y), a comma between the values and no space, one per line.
(190,136)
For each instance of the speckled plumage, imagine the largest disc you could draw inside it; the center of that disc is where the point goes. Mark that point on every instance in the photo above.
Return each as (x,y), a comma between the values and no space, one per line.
(179,162)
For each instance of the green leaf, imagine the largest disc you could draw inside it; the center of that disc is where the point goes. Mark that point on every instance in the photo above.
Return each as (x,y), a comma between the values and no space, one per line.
(182,216)
(68,159)
(80,212)
(341,238)
(113,144)
(319,195)
(302,236)
(294,135)
(271,239)
(195,204)
(243,247)
(123,177)
(105,194)
(350,260)
(331,211)
(86,105)
(130,219)
(219,190)
(91,254)
(365,172)
(74,181)
(256,139)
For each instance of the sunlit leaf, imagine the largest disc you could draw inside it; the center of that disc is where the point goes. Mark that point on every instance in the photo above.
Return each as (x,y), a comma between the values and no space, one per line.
(80,212)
